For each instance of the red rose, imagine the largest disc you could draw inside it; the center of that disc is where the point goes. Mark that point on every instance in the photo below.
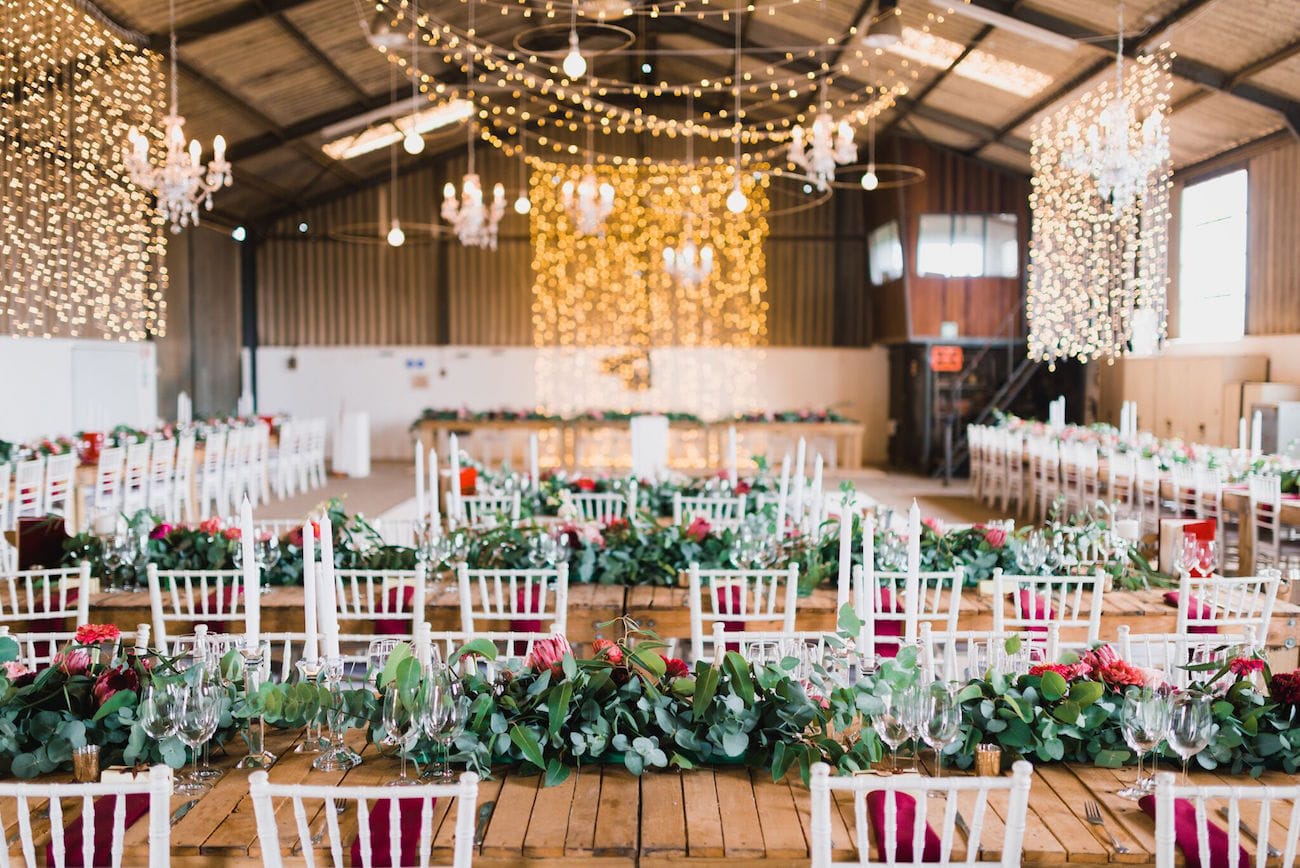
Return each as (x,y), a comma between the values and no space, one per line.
(607,649)
(210,526)
(1069,672)
(160,531)
(1244,666)
(933,524)
(112,680)
(699,529)
(91,634)
(585,483)
(616,524)
(742,487)
(674,667)
(231,533)
(995,536)
(1285,688)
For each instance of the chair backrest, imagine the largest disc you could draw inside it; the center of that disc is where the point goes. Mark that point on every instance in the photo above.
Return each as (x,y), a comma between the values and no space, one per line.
(717,511)
(1263,815)
(162,462)
(538,597)
(1173,652)
(184,459)
(606,506)
(45,596)
(1217,603)
(1074,602)
(62,799)
(740,600)
(6,502)
(38,650)
(185,598)
(315,807)
(214,450)
(936,600)
(29,489)
(971,792)
(381,597)
(135,480)
(108,478)
(60,483)
(772,646)
(966,654)
(481,509)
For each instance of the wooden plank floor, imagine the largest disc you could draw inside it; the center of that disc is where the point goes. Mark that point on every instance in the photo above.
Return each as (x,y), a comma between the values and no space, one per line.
(604,816)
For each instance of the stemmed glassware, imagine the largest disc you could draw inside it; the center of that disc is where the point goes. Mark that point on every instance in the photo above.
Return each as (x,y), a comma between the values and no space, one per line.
(158,712)
(199,706)
(377,654)
(940,723)
(1191,725)
(444,719)
(402,728)
(891,725)
(1145,718)
(1031,553)
(1207,556)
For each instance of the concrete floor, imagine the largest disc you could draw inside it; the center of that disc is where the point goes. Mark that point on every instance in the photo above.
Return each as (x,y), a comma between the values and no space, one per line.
(391,483)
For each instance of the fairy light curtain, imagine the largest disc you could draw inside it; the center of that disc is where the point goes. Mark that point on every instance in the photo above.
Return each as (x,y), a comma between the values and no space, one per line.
(1098,273)
(81,249)
(611,292)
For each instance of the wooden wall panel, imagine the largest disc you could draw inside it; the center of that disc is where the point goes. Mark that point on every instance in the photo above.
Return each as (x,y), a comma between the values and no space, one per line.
(1273,288)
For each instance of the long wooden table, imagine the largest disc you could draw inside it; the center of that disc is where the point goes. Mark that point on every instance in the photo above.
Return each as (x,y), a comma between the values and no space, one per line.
(666,611)
(603,816)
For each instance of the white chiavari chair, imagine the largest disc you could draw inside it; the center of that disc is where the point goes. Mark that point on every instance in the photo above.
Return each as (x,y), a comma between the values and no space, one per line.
(29,489)
(1031,603)
(36,650)
(1072,476)
(993,445)
(1274,543)
(1186,501)
(135,478)
(232,479)
(261,480)
(965,654)
(487,510)
(182,506)
(1148,495)
(740,600)
(284,462)
(888,600)
(212,497)
(250,474)
(83,800)
(443,829)
(381,600)
(30,597)
(969,795)
(1171,653)
(315,459)
(606,506)
(8,553)
(186,598)
(60,484)
(773,646)
(719,512)
(1045,466)
(105,495)
(1277,825)
(162,476)
(514,597)
(1121,480)
(976,448)
(1013,449)
(1212,604)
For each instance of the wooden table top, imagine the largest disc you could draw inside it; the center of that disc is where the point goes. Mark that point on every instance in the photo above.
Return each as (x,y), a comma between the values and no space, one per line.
(605,816)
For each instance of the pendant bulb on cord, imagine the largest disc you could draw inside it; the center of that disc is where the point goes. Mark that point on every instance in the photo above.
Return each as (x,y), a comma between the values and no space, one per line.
(413,142)
(736,200)
(870,180)
(574,65)
(522,204)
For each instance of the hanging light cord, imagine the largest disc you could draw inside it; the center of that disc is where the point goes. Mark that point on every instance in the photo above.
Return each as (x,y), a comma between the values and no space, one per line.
(171,17)
(736,89)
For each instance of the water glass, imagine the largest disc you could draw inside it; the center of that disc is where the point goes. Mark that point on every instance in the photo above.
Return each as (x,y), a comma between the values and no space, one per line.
(158,712)
(891,726)
(940,723)
(1191,725)
(195,725)
(401,729)
(1144,719)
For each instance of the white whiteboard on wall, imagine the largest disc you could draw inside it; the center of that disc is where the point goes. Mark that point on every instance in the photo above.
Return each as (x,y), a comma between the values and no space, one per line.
(112,385)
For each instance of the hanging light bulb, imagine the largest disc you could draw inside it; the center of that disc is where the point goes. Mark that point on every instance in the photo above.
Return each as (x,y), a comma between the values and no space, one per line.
(736,201)
(522,205)
(412,142)
(869,180)
(396,237)
(575,65)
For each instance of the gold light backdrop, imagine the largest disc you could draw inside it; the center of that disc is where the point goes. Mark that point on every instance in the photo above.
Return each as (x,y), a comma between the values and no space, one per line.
(612,294)
(81,249)
(1095,274)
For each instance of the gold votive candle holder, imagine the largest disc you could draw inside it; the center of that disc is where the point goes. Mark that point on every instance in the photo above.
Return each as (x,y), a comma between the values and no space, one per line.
(85,764)
(988,761)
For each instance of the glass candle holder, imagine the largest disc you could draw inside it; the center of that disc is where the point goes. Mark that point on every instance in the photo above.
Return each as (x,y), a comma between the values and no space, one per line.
(988,761)
(85,764)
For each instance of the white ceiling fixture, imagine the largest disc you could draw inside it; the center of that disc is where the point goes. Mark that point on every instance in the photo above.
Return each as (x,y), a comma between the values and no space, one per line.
(975,12)
(380,135)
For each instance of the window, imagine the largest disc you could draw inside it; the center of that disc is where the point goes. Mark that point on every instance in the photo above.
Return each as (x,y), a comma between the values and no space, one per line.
(968,245)
(1212,259)
(885,253)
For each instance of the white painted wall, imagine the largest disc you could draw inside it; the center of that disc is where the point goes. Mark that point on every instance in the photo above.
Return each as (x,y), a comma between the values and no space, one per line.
(393,384)
(60,385)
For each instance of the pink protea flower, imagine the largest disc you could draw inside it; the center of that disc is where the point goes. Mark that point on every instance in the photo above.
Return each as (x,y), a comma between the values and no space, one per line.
(607,649)
(995,536)
(110,681)
(73,661)
(549,654)
(699,529)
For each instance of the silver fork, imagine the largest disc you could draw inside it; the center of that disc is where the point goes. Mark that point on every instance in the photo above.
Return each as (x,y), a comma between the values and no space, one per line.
(1273,852)
(1092,811)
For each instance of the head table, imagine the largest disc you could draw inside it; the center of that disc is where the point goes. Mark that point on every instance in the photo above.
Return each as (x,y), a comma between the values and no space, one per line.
(604,816)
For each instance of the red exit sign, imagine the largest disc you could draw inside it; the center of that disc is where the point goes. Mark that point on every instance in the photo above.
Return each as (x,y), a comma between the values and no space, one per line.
(946,360)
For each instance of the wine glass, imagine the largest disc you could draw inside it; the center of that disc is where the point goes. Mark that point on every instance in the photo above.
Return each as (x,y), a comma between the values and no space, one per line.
(914,709)
(111,558)
(445,719)
(158,712)
(377,654)
(401,729)
(195,724)
(890,724)
(1190,725)
(1187,557)
(1207,556)
(941,723)
(1144,718)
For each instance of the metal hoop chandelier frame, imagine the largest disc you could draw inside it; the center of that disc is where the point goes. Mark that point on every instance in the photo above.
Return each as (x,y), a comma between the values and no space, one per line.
(626,36)
(904,176)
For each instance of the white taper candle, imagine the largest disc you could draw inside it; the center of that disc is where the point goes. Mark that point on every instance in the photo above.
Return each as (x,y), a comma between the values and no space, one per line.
(252,583)
(310,591)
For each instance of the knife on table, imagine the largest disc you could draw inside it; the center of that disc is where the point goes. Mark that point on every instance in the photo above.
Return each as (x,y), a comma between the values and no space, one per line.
(184,809)
(480,828)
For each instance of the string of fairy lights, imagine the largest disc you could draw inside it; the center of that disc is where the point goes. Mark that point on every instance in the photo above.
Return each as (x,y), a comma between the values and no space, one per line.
(82,248)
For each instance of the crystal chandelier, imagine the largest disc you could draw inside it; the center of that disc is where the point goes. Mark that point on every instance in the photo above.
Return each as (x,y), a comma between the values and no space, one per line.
(474,221)
(589,201)
(832,145)
(181,182)
(689,263)
(1117,151)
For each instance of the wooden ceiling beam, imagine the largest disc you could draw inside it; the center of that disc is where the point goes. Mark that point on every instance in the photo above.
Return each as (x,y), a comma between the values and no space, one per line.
(224,21)
(313,51)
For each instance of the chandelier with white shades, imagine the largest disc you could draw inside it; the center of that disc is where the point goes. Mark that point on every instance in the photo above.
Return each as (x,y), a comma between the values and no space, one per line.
(688,263)
(474,221)
(1117,150)
(827,146)
(182,182)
